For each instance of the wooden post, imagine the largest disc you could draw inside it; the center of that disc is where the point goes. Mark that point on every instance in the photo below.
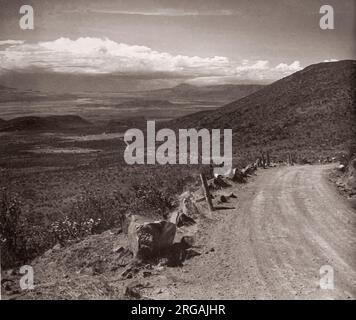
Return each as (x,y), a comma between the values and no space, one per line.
(290,159)
(206,192)
(263,161)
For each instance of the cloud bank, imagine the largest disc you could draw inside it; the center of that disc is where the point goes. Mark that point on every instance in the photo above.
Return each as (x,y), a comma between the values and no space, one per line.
(104,56)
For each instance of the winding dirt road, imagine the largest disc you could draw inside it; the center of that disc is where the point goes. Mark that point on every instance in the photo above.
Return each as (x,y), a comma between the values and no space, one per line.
(287,223)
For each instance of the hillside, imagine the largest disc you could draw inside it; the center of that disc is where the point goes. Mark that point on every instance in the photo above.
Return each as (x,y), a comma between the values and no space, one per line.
(212,93)
(51,123)
(311,112)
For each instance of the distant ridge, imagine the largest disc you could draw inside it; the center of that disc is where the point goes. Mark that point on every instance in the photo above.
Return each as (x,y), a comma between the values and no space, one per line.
(51,123)
(311,112)
(212,93)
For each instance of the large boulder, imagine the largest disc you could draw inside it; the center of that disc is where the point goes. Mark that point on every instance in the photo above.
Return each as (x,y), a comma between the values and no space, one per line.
(149,240)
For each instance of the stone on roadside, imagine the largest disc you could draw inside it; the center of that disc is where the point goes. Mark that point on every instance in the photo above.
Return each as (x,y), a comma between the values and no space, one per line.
(150,239)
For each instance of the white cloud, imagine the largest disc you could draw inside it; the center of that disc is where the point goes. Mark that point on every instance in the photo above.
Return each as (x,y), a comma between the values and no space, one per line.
(251,71)
(10,42)
(293,67)
(94,55)
(104,56)
(262,70)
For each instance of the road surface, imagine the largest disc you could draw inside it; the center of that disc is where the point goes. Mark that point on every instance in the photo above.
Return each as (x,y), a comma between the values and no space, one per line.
(288,222)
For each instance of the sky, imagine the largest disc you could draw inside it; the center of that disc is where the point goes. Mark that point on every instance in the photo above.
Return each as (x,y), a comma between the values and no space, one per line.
(160,43)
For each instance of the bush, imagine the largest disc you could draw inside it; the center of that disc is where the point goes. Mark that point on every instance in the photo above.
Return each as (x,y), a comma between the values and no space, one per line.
(150,199)
(25,235)
(10,212)
(90,214)
(20,241)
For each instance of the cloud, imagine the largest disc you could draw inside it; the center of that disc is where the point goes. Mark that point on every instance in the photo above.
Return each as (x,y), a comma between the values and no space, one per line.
(100,56)
(104,56)
(262,70)
(10,42)
(251,71)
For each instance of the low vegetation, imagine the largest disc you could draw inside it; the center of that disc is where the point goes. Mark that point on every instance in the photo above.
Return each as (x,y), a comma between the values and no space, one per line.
(29,228)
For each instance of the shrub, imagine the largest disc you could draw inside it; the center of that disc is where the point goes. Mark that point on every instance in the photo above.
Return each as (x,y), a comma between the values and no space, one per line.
(90,214)
(10,212)
(148,198)
(20,241)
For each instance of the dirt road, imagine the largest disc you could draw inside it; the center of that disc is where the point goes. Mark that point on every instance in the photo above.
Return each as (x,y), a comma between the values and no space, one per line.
(287,223)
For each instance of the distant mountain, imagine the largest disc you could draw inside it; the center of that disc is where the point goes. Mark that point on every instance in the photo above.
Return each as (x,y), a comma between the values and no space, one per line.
(3,88)
(147,103)
(62,83)
(311,112)
(123,124)
(51,123)
(214,93)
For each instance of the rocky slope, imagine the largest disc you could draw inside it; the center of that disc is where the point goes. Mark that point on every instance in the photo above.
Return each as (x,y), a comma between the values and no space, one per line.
(311,112)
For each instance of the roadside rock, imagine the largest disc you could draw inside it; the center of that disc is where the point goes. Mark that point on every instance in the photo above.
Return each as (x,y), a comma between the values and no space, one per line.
(248,170)
(237,176)
(180,219)
(149,239)
(232,195)
(218,183)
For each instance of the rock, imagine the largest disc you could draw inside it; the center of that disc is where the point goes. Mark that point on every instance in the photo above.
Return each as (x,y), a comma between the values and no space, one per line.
(187,241)
(118,249)
(341,168)
(132,291)
(56,247)
(131,270)
(147,274)
(248,170)
(190,253)
(218,183)
(10,286)
(187,204)
(180,219)
(149,239)
(116,231)
(187,210)
(237,176)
